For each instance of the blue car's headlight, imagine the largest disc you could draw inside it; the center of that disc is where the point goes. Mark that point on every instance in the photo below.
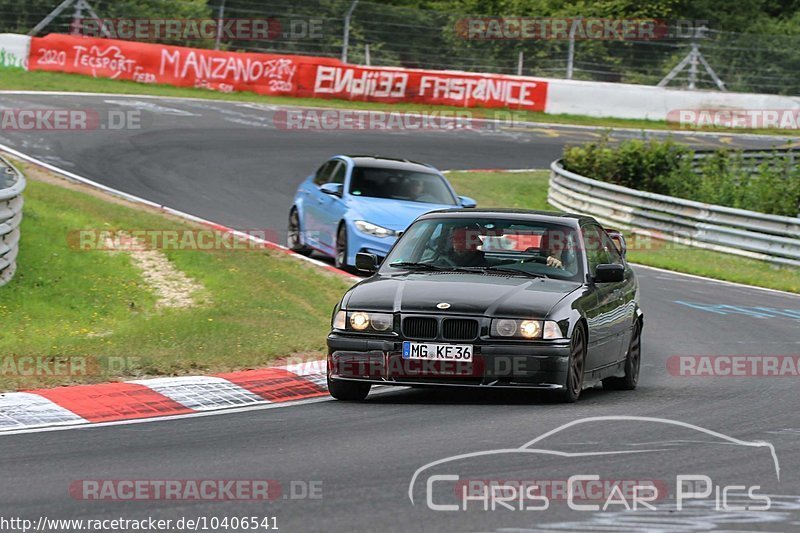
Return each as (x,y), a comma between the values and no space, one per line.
(373,229)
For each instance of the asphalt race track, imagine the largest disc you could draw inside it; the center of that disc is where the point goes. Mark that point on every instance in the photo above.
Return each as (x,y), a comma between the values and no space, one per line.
(227,162)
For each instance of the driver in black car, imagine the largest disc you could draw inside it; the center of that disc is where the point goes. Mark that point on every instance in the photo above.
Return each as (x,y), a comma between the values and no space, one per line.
(558,247)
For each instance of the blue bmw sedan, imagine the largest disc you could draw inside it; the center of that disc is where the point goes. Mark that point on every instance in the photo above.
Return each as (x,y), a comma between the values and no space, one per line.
(355,204)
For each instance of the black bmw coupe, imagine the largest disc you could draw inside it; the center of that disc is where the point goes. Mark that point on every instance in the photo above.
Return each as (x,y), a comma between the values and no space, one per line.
(491,298)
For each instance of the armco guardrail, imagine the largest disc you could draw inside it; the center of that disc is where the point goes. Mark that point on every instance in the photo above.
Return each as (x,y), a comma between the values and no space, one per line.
(752,158)
(12,183)
(735,231)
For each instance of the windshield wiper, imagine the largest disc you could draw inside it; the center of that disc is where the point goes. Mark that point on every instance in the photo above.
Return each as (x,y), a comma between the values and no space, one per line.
(411,265)
(514,271)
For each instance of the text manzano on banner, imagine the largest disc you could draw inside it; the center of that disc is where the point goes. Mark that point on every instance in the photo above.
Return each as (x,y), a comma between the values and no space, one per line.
(176,65)
(287,75)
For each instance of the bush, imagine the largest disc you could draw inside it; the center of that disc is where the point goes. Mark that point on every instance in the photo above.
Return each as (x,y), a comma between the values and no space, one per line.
(665,167)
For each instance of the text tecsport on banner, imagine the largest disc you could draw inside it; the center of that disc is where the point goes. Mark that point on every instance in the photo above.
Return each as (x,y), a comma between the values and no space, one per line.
(301,76)
(175,65)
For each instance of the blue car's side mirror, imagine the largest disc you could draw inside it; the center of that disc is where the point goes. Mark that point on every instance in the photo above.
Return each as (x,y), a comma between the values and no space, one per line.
(334,189)
(466,201)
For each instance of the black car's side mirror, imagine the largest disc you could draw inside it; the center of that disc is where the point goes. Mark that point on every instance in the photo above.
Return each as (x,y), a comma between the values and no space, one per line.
(334,189)
(366,262)
(609,273)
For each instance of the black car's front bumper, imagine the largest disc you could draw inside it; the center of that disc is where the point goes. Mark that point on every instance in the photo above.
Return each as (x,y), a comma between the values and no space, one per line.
(535,364)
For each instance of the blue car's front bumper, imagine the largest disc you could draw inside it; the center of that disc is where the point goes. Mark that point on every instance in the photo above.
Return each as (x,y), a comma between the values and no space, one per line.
(358,241)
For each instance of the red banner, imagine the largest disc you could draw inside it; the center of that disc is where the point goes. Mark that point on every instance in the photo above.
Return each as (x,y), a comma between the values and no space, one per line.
(463,89)
(287,75)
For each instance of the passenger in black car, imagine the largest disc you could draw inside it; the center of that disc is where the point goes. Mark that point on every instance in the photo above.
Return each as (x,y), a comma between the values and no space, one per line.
(464,249)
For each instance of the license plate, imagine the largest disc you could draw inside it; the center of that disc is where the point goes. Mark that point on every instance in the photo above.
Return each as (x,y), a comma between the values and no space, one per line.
(437,352)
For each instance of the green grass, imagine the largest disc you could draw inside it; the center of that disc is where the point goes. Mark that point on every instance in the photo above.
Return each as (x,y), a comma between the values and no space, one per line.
(529,190)
(18,79)
(255,305)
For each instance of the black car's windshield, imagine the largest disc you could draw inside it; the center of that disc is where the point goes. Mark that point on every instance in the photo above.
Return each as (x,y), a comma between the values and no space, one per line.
(521,247)
(398,184)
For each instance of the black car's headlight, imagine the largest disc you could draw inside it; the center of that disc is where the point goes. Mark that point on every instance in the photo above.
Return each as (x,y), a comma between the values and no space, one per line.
(525,329)
(363,321)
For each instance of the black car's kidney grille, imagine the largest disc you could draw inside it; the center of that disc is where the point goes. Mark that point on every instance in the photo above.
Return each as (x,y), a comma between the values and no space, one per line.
(420,327)
(459,329)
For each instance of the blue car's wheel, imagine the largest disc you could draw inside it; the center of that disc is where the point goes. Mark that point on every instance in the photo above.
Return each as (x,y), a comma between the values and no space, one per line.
(341,248)
(294,238)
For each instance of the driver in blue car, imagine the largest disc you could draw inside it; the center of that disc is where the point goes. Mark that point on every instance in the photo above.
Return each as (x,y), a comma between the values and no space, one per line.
(416,192)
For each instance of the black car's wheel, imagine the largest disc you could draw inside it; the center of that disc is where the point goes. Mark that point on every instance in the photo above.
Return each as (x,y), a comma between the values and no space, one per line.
(293,235)
(350,391)
(632,363)
(341,248)
(577,364)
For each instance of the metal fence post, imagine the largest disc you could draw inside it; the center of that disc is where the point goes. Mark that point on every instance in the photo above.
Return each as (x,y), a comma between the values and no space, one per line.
(693,66)
(76,18)
(346,39)
(80,5)
(571,53)
(220,16)
(50,17)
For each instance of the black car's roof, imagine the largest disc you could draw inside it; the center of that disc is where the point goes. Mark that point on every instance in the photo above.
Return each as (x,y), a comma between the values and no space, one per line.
(389,162)
(571,219)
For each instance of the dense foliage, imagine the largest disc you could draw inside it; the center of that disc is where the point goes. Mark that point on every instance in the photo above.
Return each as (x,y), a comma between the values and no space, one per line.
(665,167)
(753,45)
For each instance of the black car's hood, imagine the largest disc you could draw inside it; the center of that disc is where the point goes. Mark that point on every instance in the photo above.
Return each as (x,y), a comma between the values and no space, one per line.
(469,294)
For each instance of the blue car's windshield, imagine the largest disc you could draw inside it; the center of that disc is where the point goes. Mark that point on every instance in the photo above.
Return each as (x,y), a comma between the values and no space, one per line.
(489,245)
(396,184)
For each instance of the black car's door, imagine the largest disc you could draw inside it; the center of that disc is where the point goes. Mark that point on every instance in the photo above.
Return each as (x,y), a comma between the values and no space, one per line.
(625,294)
(605,312)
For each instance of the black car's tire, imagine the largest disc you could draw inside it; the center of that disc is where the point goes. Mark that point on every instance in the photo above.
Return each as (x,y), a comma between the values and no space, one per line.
(349,391)
(340,260)
(294,241)
(633,362)
(577,364)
